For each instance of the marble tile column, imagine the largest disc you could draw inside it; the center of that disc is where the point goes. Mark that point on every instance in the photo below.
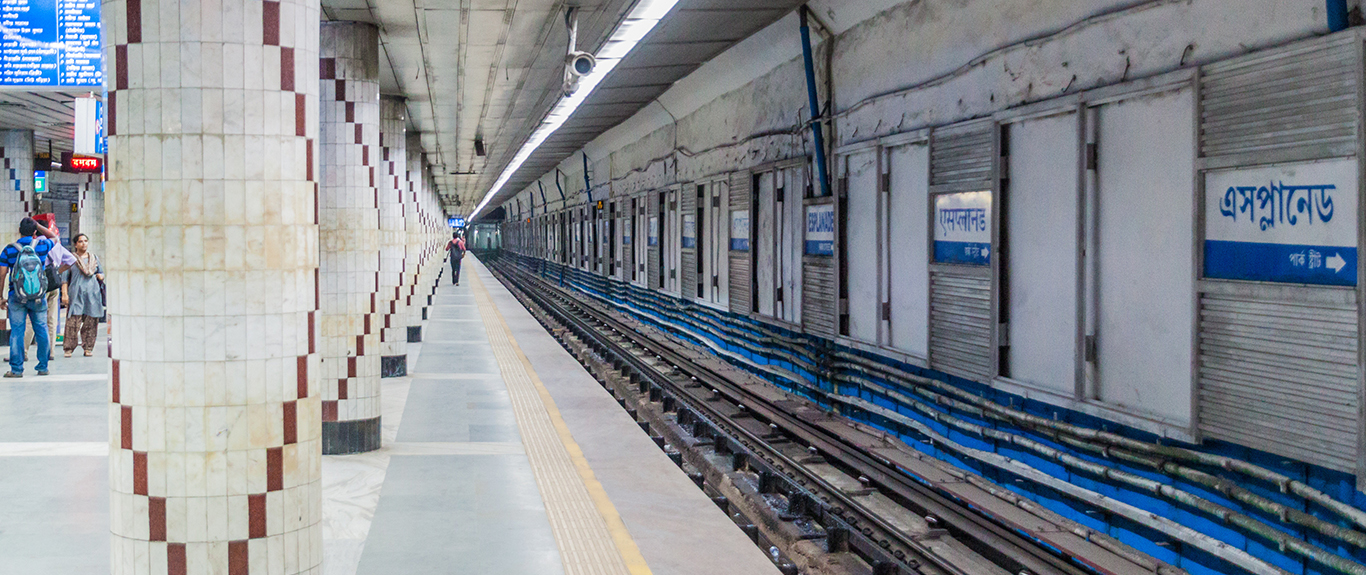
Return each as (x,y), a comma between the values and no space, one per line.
(90,212)
(349,236)
(211,224)
(417,238)
(16,197)
(393,236)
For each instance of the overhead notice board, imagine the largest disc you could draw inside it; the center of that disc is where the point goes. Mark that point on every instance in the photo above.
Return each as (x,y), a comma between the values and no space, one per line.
(1293,223)
(50,43)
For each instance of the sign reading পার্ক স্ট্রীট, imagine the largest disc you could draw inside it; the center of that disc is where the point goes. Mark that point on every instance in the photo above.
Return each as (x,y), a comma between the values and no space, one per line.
(1289,224)
(962,228)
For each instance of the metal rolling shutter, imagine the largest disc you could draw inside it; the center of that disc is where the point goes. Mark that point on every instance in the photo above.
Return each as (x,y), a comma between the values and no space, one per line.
(1278,365)
(739,261)
(1281,374)
(819,294)
(1300,99)
(652,264)
(960,296)
(960,324)
(687,207)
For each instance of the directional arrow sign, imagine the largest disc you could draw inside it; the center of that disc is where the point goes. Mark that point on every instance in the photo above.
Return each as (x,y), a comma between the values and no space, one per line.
(1336,262)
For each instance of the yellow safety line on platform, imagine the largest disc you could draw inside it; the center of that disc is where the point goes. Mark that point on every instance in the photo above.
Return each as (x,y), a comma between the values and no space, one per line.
(581,515)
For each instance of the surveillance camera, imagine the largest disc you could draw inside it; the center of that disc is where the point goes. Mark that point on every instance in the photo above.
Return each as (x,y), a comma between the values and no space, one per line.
(581,63)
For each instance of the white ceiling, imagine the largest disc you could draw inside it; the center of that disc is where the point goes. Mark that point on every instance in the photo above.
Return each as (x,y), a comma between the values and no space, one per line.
(493,68)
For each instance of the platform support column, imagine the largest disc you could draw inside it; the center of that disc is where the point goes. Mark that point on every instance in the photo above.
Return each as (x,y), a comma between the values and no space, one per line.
(393,236)
(16,197)
(212,253)
(413,236)
(349,236)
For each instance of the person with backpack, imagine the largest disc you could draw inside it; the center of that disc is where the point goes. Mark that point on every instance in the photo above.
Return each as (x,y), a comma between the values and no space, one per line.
(59,258)
(23,270)
(457,249)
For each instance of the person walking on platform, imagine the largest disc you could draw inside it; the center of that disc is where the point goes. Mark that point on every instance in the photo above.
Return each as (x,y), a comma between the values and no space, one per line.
(57,259)
(81,295)
(457,249)
(22,269)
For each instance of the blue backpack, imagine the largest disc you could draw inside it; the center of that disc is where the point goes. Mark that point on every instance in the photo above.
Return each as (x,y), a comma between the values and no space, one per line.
(27,278)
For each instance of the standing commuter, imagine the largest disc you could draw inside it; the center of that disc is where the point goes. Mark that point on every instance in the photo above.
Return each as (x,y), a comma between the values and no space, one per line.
(22,269)
(457,248)
(58,259)
(81,293)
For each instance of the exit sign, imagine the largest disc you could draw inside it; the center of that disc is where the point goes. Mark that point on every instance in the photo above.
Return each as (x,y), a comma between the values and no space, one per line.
(39,182)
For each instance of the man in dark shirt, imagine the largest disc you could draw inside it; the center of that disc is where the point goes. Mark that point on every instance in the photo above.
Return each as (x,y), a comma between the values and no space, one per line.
(30,232)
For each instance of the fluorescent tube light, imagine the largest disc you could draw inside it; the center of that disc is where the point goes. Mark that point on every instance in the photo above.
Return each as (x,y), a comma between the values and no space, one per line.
(629,32)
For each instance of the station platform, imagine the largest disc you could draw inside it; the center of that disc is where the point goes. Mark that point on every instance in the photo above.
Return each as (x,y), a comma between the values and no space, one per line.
(500,455)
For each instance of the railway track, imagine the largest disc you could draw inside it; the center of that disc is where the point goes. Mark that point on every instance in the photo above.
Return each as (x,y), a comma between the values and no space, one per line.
(821,493)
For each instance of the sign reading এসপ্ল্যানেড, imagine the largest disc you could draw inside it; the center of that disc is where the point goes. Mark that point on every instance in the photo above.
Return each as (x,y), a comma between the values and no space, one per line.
(1291,224)
(820,230)
(962,228)
(654,231)
(689,231)
(50,43)
(739,231)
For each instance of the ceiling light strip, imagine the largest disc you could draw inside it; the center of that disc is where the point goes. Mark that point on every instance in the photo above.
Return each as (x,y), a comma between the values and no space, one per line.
(629,32)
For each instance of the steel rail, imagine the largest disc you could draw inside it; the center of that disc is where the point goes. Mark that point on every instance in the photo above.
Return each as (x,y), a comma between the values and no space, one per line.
(998,544)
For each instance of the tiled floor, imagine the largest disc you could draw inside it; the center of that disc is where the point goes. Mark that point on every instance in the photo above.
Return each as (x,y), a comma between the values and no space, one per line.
(451,491)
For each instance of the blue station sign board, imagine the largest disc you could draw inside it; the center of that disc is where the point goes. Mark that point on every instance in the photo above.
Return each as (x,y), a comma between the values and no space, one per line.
(50,43)
(739,231)
(820,230)
(962,228)
(1294,223)
(456,222)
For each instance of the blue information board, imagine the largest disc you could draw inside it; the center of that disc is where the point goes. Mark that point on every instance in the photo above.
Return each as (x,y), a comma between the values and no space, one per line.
(50,43)
(456,222)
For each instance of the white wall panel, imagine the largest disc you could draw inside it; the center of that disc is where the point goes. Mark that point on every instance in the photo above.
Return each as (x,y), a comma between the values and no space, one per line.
(793,242)
(1042,218)
(764,253)
(909,248)
(1146,152)
(863,248)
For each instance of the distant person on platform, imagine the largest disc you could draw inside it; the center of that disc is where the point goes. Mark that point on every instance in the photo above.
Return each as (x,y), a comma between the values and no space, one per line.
(81,296)
(58,260)
(457,248)
(22,270)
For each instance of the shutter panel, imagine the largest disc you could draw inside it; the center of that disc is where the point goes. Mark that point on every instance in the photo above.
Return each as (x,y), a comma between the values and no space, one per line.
(960,296)
(1301,99)
(687,208)
(1280,375)
(653,263)
(740,298)
(820,292)
(1279,364)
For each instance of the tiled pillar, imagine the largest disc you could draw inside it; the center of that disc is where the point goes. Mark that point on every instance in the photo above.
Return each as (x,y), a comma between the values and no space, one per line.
(215,462)
(16,197)
(349,236)
(393,237)
(417,240)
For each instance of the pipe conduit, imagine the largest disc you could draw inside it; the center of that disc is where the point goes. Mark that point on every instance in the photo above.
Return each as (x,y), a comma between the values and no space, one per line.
(1224,514)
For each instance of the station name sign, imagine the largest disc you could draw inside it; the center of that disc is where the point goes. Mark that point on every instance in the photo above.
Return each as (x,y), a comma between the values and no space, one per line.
(962,228)
(1288,224)
(50,43)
